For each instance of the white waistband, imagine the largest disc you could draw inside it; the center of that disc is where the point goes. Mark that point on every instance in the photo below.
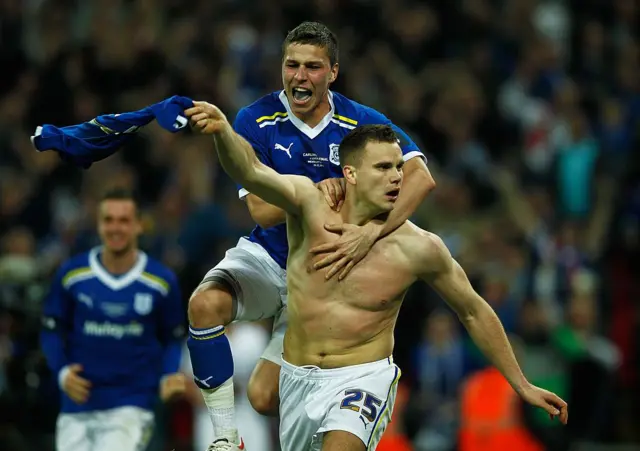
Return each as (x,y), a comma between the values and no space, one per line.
(315,372)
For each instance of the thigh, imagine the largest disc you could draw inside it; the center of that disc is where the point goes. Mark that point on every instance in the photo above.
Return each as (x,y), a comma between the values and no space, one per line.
(262,390)
(363,406)
(257,281)
(73,432)
(342,441)
(124,429)
(298,426)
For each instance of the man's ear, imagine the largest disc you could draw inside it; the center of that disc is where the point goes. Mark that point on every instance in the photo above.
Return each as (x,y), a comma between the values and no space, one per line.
(349,173)
(334,73)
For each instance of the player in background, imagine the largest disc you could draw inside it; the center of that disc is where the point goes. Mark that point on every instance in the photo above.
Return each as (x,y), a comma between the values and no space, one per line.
(113,328)
(296,130)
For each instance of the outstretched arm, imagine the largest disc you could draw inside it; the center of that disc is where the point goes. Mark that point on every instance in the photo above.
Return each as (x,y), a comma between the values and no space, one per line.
(239,160)
(449,280)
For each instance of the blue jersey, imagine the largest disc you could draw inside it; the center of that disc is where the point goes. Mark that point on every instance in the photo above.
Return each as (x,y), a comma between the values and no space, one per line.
(126,330)
(289,146)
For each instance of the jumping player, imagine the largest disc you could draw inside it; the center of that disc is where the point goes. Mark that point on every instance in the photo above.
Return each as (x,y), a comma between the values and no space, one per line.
(338,380)
(294,131)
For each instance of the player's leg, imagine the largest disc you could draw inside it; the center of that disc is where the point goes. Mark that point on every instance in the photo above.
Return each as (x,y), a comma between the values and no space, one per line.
(361,400)
(124,429)
(263,388)
(210,309)
(72,432)
(263,385)
(244,286)
(342,441)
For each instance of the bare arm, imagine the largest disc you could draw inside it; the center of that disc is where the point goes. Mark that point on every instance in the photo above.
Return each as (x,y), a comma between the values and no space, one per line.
(450,281)
(263,213)
(239,160)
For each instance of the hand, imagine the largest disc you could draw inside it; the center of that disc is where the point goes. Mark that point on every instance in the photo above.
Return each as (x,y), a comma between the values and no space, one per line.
(546,400)
(172,385)
(206,118)
(333,190)
(75,386)
(346,252)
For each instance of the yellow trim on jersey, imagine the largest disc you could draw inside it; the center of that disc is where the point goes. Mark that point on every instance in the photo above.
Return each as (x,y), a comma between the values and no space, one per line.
(272,117)
(102,127)
(78,272)
(345,119)
(159,280)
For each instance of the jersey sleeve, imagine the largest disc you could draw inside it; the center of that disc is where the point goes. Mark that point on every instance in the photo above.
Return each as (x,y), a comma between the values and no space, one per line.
(246,126)
(409,148)
(57,321)
(172,326)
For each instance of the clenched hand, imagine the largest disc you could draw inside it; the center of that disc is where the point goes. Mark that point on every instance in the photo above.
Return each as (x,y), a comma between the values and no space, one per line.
(75,386)
(206,118)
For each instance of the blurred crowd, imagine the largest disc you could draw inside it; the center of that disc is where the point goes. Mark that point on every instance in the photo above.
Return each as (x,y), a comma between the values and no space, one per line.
(527,110)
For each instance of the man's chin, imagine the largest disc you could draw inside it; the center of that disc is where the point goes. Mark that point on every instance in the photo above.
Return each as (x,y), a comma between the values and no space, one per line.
(117,250)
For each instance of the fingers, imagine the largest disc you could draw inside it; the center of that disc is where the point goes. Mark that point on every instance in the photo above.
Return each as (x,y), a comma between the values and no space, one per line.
(198,117)
(193,110)
(329,259)
(336,267)
(327,196)
(334,195)
(558,406)
(340,203)
(323,248)
(346,270)
(334,228)
(77,388)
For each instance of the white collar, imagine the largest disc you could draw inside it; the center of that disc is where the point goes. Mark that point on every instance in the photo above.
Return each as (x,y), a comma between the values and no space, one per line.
(116,283)
(300,125)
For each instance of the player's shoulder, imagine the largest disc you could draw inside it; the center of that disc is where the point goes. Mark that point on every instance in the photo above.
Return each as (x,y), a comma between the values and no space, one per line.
(267,108)
(158,273)
(75,264)
(355,113)
(74,269)
(420,243)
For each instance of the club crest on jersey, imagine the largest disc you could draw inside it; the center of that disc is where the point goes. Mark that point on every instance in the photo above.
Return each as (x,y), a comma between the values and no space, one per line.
(334,156)
(143,303)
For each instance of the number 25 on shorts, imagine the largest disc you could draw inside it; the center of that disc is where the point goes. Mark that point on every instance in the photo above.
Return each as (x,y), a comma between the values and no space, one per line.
(353,400)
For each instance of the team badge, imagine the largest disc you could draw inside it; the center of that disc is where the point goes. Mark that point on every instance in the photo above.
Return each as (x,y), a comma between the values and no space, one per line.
(334,156)
(143,303)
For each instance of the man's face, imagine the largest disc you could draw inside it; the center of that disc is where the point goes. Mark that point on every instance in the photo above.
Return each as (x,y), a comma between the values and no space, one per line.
(379,175)
(306,76)
(118,225)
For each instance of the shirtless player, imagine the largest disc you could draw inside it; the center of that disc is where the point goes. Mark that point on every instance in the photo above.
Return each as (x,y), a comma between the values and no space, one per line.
(338,379)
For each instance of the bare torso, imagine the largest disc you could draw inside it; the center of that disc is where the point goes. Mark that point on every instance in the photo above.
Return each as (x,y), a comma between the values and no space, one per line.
(339,323)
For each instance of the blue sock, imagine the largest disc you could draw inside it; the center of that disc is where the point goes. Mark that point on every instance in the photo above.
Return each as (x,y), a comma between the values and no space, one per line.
(211,356)
(212,364)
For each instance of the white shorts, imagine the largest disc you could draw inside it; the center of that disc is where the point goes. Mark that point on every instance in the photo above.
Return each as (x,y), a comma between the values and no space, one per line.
(260,289)
(358,399)
(123,429)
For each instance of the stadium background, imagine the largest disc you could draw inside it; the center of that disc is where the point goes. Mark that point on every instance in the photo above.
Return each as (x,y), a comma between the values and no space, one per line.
(527,110)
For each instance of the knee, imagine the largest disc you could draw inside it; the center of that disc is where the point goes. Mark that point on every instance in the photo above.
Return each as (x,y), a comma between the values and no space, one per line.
(263,397)
(210,305)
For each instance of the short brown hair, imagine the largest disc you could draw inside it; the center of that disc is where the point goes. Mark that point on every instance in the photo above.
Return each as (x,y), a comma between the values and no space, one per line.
(314,33)
(354,143)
